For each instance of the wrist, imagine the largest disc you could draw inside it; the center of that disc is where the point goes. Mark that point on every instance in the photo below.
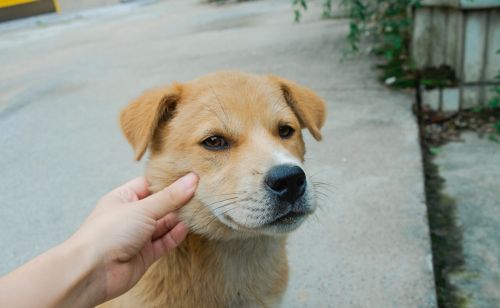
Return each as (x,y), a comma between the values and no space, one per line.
(67,275)
(85,277)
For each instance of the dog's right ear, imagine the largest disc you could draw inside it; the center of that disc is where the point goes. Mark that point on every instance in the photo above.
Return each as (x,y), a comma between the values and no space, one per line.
(140,119)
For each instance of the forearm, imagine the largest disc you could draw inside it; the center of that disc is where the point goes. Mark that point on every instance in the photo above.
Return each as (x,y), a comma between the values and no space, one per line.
(64,276)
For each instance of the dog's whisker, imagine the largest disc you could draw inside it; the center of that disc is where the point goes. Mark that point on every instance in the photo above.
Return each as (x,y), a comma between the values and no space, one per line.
(208,205)
(321,197)
(319,206)
(214,217)
(211,200)
(322,189)
(228,210)
(229,204)
(224,204)
(216,202)
(323,183)
(324,194)
(315,217)
(233,193)
(321,194)
(219,118)
(326,187)
(222,200)
(234,196)
(220,103)
(201,208)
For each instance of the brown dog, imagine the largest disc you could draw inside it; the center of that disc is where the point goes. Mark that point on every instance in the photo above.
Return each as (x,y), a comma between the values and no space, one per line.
(241,133)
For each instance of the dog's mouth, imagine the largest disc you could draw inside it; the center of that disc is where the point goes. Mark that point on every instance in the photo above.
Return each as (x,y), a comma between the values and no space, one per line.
(289,218)
(266,216)
(285,222)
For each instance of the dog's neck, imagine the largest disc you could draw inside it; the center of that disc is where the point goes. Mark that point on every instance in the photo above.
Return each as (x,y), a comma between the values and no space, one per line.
(239,264)
(252,247)
(202,272)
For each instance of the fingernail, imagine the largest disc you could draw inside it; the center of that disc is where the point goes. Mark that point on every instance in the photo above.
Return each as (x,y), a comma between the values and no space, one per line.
(189,180)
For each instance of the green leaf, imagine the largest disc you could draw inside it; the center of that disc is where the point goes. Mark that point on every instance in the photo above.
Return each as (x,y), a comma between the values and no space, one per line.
(494,102)
(477,109)
(493,138)
(434,150)
(297,16)
(497,126)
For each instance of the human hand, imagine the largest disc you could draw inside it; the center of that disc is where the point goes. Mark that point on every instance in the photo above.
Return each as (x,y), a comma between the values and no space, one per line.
(125,234)
(130,229)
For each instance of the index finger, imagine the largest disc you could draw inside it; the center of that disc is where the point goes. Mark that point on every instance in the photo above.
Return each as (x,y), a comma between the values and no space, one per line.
(133,190)
(170,198)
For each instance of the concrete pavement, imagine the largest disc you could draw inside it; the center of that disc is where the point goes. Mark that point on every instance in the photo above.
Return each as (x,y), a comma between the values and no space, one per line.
(471,170)
(78,5)
(64,80)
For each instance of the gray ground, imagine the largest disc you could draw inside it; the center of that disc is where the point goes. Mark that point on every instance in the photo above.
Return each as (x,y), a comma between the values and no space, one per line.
(79,5)
(65,79)
(472,173)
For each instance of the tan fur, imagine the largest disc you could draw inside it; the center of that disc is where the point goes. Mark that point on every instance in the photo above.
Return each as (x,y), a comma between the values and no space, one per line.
(141,119)
(309,108)
(220,264)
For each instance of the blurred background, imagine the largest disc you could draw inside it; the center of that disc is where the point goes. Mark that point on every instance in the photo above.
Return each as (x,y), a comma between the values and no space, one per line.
(410,214)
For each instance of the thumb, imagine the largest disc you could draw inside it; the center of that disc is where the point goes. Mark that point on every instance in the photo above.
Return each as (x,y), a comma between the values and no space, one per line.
(171,197)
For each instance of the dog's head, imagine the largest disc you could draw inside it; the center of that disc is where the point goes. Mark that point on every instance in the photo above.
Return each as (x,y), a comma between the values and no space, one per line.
(241,133)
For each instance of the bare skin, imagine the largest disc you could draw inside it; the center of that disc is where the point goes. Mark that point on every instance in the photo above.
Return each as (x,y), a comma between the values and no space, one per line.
(128,230)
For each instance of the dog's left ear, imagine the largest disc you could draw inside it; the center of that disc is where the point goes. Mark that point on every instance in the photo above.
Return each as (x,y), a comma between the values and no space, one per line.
(309,108)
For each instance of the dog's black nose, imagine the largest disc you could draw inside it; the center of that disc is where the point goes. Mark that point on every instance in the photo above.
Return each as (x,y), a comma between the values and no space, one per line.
(287,182)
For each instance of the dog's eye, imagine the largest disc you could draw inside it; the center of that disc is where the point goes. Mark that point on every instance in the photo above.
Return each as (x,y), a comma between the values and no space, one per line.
(215,143)
(286,131)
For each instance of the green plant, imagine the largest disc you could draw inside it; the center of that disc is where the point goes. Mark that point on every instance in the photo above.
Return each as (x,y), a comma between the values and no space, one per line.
(388,24)
(299,6)
(358,16)
(494,104)
(492,108)
(327,8)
